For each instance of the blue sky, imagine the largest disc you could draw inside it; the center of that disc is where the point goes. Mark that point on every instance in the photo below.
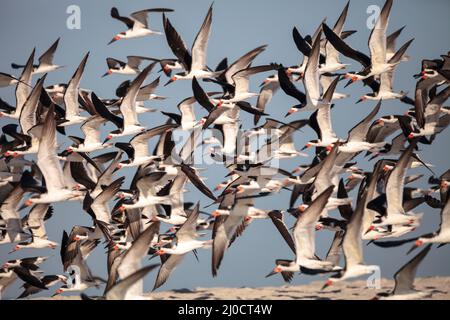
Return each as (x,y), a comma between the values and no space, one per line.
(238,26)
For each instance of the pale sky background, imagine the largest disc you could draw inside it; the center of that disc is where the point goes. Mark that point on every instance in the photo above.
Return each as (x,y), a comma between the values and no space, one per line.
(238,26)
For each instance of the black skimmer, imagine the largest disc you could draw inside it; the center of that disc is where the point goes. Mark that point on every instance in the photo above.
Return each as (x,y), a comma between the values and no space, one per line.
(230,215)
(129,123)
(71,94)
(433,117)
(137,23)
(31,263)
(225,78)
(185,242)
(194,63)
(385,91)
(327,175)
(28,120)
(352,242)
(304,45)
(443,183)
(377,63)
(304,239)
(367,75)
(217,114)
(332,61)
(429,79)
(13,230)
(129,216)
(382,128)
(147,194)
(23,88)
(48,281)
(49,165)
(320,122)
(268,89)
(92,141)
(35,222)
(442,236)
(404,281)
(137,147)
(130,261)
(186,108)
(96,204)
(73,254)
(9,275)
(313,99)
(131,67)
(45,61)
(168,65)
(146,93)
(222,110)
(357,136)
(395,212)
(241,83)
(280,143)
(396,147)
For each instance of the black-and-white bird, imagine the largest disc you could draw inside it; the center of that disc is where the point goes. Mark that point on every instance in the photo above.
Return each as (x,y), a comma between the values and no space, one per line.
(137,23)
(194,62)
(131,67)
(61,142)
(404,280)
(304,239)
(45,61)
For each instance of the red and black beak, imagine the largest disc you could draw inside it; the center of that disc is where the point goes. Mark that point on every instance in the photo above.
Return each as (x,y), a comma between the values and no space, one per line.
(326,285)
(173,79)
(272,273)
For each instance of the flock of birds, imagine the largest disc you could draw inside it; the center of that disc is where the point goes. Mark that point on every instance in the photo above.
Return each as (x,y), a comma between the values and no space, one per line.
(35,173)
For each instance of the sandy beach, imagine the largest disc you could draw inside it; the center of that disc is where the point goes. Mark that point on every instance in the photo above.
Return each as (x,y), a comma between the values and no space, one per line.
(356,290)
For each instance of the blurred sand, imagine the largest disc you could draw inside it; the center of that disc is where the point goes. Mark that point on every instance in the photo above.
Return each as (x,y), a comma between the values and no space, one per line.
(356,290)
